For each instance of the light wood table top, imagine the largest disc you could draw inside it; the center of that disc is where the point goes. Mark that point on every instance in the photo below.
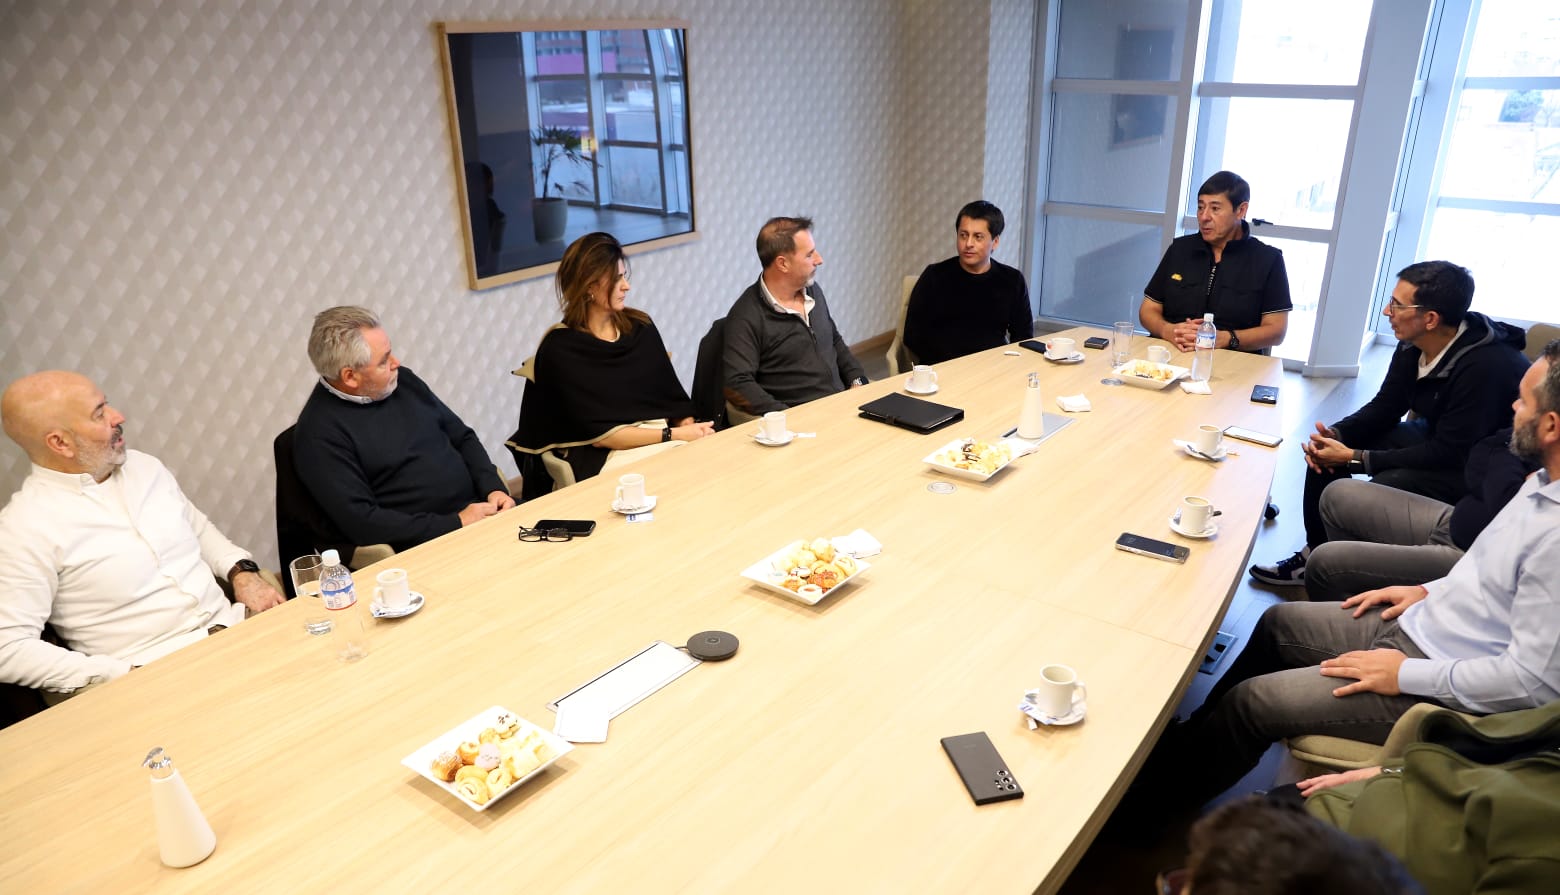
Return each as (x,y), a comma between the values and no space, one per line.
(810,761)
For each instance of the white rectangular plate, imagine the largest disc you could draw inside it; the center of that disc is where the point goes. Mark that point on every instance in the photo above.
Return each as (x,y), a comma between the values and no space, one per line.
(420,760)
(1126,373)
(764,573)
(1018,446)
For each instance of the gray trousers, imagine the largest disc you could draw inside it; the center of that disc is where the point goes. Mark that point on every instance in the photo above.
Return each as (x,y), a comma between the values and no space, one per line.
(1378,536)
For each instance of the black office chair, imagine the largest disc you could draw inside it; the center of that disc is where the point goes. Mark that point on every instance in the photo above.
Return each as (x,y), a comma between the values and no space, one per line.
(709,388)
(301,525)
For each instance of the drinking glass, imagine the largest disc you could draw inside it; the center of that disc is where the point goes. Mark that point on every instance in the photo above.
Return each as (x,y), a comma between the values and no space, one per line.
(1121,342)
(306,583)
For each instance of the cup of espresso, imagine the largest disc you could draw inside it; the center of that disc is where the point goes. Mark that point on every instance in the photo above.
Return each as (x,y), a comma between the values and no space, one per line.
(923,378)
(1208,439)
(1196,514)
(1060,349)
(1159,354)
(394,591)
(1054,696)
(631,490)
(774,425)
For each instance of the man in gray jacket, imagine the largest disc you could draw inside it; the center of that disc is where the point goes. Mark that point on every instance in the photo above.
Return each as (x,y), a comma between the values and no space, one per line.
(782,348)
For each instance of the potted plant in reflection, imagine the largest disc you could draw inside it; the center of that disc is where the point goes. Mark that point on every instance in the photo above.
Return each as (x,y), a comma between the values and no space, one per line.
(559,148)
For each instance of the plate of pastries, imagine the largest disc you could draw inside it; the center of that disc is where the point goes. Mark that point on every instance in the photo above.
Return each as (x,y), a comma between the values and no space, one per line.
(1148,374)
(972,458)
(805,570)
(487,757)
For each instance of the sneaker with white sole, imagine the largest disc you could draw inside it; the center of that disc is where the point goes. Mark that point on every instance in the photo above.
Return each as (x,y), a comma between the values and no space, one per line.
(1286,572)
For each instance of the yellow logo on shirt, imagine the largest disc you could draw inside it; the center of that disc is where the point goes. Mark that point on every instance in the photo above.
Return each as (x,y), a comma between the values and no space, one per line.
(1175,276)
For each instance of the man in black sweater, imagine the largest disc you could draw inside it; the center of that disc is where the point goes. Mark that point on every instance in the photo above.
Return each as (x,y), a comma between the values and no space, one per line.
(383,456)
(782,348)
(1456,370)
(969,302)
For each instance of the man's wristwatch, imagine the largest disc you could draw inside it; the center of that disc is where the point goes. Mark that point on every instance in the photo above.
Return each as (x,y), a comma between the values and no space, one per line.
(243,565)
(1357,462)
(1234,344)
(666,434)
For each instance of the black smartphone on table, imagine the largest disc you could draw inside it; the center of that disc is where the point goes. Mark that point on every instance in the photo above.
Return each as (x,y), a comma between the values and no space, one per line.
(1096,342)
(1264,394)
(580,528)
(1033,345)
(1149,547)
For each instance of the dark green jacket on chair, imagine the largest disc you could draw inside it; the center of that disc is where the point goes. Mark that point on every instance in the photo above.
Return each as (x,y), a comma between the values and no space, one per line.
(1472,806)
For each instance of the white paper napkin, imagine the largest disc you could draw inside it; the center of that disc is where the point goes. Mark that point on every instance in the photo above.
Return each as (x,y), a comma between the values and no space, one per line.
(1195,388)
(858,544)
(581,721)
(1073,403)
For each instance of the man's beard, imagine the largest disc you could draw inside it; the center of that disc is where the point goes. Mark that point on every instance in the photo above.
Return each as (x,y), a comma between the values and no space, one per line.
(1524,442)
(100,461)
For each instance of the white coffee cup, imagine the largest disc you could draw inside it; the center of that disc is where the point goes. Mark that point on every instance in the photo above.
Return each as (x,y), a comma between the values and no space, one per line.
(1196,514)
(1208,439)
(1159,354)
(1061,349)
(922,378)
(1054,696)
(394,591)
(774,425)
(631,490)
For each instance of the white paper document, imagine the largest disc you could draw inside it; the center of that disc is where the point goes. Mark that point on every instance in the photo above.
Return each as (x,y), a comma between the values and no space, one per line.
(631,680)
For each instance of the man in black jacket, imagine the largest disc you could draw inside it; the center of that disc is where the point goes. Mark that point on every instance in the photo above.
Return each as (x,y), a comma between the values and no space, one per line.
(782,348)
(381,454)
(1457,371)
(1221,269)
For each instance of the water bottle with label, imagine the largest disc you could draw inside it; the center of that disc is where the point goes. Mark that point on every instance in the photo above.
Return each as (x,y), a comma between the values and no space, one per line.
(349,636)
(1207,337)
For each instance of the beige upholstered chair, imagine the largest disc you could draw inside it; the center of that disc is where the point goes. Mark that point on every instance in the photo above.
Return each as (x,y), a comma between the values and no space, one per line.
(1539,335)
(1332,754)
(899,357)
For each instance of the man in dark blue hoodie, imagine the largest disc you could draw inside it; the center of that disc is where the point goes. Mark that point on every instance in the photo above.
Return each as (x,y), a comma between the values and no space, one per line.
(1455,370)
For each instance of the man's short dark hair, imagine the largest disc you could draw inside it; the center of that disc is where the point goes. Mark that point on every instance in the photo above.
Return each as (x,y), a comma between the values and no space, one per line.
(1258,845)
(981,210)
(1228,184)
(1548,390)
(1440,286)
(778,237)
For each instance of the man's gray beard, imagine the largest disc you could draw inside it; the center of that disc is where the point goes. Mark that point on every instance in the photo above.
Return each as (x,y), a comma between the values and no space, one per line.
(1524,443)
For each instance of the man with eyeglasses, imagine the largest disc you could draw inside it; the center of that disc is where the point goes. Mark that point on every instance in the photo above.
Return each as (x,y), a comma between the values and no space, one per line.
(1454,371)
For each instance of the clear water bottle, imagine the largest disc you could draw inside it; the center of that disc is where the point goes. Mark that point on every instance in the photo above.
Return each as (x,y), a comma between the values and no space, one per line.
(348,636)
(1207,337)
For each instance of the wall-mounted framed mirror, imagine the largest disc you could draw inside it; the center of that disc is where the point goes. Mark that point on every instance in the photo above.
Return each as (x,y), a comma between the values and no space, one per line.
(564,128)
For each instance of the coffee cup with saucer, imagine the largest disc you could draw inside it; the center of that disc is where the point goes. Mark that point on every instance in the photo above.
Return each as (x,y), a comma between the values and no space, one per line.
(379,610)
(1194,518)
(619,507)
(1060,700)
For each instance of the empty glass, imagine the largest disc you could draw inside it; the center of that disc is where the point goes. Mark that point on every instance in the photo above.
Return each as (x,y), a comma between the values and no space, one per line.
(306,583)
(1121,342)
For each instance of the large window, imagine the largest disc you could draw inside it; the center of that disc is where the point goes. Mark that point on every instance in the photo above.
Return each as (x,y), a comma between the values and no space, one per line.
(1494,203)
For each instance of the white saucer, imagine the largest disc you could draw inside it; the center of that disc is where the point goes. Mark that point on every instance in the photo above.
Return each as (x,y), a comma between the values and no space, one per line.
(617,506)
(767,442)
(1074,358)
(1079,709)
(1175,526)
(1190,449)
(916,391)
(378,610)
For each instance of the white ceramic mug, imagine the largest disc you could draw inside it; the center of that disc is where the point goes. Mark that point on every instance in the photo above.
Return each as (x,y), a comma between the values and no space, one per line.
(1054,696)
(631,490)
(1196,514)
(1060,349)
(922,378)
(1208,439)
(394,591)
(774,425)
(1159,354)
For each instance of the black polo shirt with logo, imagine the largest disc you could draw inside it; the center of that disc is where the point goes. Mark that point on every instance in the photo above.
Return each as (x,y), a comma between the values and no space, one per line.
(1248,283)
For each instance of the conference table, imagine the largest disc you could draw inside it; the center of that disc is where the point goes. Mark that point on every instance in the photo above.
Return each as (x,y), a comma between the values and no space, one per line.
(809,761)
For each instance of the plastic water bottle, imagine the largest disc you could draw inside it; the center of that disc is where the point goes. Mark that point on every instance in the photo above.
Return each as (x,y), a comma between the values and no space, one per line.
(1207,337)
(349,636)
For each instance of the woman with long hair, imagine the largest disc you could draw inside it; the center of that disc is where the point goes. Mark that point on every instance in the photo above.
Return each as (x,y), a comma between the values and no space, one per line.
(602,390)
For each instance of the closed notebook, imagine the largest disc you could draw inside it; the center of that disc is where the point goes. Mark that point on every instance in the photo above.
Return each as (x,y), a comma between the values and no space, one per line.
(910,413)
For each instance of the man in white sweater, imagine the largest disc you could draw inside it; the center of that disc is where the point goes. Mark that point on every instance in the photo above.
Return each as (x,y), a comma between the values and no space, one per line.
(100,543)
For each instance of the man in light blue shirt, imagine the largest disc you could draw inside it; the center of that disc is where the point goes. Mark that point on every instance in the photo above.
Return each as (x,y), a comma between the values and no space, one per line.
(1483,639)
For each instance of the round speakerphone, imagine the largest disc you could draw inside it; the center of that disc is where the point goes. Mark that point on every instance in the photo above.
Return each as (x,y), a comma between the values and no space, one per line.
(712,646)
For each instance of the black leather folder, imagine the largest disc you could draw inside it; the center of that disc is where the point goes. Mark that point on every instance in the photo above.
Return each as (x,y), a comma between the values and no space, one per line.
(911,413)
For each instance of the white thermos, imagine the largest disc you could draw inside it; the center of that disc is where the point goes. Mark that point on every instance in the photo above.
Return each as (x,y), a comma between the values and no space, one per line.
(183,835)
(1031,420)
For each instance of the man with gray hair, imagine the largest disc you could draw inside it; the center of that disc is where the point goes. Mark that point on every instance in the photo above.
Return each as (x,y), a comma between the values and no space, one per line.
(782,348)
(388,462)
